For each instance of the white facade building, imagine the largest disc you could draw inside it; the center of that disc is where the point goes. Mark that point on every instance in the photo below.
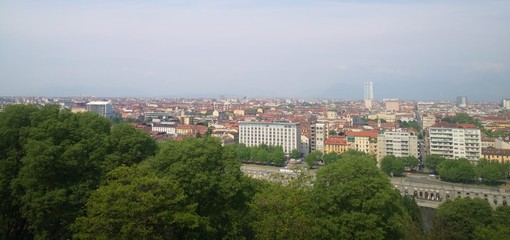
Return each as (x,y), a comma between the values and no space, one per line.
(455,141)
(287,135)
(166,128)
(102,108)
(398,143)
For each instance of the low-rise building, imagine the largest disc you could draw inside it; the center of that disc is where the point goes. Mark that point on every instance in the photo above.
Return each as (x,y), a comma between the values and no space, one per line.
(336,145)
(499,155)
(363,141)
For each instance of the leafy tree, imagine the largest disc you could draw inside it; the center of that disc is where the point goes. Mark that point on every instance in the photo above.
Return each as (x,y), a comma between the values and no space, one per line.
(409,124)
(281,212)
(459,218)
(354,200)
(312,158)
(210,176)
(460,170)
(490,172)
(137,205)
(277,156)
(392,165)
(432,162)
(331,157)
(59,169)
(295,154)
(128,146)
(55,159)
(14,125)
(499,228)
(414,225)
(332,133)
(411,162)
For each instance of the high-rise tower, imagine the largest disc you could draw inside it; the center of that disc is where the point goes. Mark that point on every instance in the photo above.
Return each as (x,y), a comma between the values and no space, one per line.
(369,91)
(369,94)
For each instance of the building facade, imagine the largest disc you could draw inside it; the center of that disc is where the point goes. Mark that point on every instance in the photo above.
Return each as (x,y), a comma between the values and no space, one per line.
(392,105)
(318,133)
(455,141)
(499,155)
(364,141)
(335,145)
(287,135)
(102,108)
(461,101)
(398,143)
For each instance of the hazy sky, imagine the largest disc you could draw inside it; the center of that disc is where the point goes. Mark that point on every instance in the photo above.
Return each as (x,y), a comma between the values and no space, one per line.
(296,48)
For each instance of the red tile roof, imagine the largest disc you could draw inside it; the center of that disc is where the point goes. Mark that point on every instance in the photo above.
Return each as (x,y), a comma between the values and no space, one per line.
(372,134)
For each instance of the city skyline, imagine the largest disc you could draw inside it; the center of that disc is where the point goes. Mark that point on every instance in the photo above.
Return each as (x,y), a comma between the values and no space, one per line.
(296,49)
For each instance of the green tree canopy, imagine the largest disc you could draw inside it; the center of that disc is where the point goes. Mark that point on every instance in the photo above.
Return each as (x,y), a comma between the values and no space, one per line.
(210,176)
(490,172)
(459,170)
(295,154)
(135,204)
(432,162)
(354,200)
(54,159)
(281,212)
(392,165)
(313,158)
(411,162)
(459,218)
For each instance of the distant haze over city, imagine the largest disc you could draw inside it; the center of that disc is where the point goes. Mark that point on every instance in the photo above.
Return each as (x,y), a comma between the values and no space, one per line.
(432,50)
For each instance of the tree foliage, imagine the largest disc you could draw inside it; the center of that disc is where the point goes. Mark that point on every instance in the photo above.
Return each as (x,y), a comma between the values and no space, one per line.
(354,200)
(210,176)
(458,219)
(432,162)
(409,124)
(490,172)
(281,212)
(393,166)
(263,153)
(295,154)
(55,160)
(313,158)
(135,204)
(459,170)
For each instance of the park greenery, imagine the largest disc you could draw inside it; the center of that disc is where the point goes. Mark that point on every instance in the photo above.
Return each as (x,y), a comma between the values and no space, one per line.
(466,218)
(262,154)
(395,166)
(70,175)
(318,158)
(464,171)
(409,124)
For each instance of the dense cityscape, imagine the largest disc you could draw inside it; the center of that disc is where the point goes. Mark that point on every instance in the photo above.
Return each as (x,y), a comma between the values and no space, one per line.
(240,119)
(432,151)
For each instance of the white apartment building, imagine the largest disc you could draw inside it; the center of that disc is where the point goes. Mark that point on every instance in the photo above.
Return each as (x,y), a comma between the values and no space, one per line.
(398,143)
(102,108)
(166,128)
(319,133)
(455,141)
(287,135)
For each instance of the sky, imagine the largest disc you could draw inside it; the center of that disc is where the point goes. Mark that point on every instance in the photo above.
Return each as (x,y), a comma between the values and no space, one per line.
(415,50)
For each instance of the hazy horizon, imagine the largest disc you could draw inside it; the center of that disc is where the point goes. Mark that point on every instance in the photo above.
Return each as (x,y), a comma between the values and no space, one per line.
(434,50)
